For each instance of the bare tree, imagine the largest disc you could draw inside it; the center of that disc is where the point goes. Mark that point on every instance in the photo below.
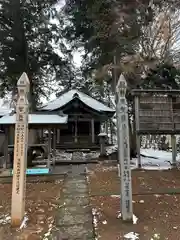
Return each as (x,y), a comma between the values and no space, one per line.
(160,40)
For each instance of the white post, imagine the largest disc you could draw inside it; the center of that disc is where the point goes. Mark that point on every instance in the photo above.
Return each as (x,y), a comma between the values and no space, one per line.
(20,152)
(124,151)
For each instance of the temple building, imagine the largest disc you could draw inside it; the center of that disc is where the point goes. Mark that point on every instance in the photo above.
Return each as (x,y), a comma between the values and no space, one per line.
(85,116)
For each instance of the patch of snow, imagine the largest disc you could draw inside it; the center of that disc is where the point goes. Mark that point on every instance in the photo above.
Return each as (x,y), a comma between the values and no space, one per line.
(135,219)
(104,222)
(157,195)
(131,236)
(151,159)
(141,201)
(94,213)
(50,227)
(111,149)
(119,215)
(155,159)
(24,223)
(63,156)
(66,156)
(156,236)
(158,154)
(115,196)
(5,219)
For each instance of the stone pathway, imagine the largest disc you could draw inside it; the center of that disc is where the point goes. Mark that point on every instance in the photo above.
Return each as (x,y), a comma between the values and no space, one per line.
(74,218)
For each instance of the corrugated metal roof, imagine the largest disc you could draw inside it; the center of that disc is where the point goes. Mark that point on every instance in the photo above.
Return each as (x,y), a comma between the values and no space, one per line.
(68,96)
(37,119)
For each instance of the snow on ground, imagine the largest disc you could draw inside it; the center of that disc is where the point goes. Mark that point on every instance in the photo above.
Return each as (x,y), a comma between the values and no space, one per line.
(151,159)
(66,156)
(131,236)
(151,163)
(156,159)
(158,154)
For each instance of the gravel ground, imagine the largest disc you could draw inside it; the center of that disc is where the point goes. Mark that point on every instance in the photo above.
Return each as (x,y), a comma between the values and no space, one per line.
(158,214)
(42,201)
(105,180)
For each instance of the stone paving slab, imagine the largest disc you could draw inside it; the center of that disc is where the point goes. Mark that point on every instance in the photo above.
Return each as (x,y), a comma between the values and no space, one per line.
(76,186)
(75,210)
(74,201)
(76,177)
(73,190)
(75,220)
(78,232)
(76,181)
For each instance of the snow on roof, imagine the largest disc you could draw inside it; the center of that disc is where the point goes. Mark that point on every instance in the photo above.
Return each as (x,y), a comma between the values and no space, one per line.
(5,111)
(68,96)
(37,119)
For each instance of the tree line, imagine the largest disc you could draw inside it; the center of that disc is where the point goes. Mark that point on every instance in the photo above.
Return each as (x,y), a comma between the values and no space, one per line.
(138,38)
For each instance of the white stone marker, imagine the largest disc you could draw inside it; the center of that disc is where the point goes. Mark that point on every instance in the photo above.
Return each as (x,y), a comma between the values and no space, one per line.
(20,152)
(124,150)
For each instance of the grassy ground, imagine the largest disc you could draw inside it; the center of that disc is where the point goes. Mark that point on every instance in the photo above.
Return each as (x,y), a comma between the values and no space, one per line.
(154,203)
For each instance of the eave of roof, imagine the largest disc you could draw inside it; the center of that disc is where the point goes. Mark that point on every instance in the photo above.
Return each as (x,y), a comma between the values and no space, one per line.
(36,119)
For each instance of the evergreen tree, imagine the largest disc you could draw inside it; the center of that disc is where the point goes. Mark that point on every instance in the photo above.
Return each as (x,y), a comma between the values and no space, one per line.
(26,38)
(163,76)
(106,28)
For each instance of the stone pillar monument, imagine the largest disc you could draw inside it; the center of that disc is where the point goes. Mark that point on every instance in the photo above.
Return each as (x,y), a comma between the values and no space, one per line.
(124,150)
(20,152)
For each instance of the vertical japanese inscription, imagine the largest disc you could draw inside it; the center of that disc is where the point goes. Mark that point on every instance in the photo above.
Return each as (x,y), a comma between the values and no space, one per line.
(20,153)
(20,144)
(127,170)
(124,151)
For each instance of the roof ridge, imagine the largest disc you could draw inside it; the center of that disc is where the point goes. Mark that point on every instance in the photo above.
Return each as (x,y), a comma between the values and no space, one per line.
(94,98)
(86,98)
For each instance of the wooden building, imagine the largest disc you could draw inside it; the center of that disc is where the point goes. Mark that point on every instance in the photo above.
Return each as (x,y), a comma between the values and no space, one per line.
(36,122)
(85,115)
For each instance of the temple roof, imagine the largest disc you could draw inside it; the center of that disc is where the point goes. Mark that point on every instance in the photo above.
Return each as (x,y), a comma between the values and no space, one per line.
(5,111)
(66,97)
(36,119)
